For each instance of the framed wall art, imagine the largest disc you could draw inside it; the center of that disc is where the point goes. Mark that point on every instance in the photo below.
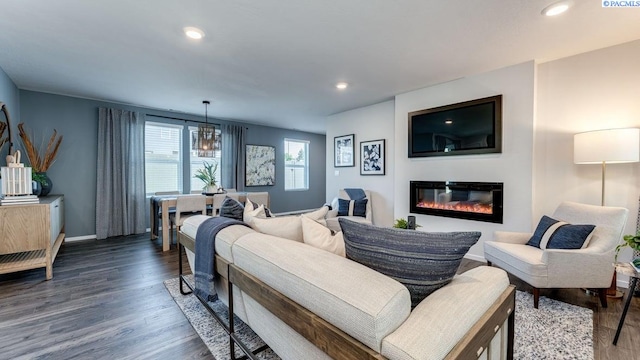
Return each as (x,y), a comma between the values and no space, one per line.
(372,157)
(260,168)
(343,151)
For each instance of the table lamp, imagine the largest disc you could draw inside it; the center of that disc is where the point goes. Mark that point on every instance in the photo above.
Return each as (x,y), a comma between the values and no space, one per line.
(611,146)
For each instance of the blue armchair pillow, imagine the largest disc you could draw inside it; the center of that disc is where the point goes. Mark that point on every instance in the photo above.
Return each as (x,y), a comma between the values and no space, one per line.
(554,234)
(421,261)
(352,207)
(232,208)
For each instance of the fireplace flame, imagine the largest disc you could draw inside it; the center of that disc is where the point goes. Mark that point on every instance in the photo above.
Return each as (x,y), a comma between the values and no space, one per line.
(464,206)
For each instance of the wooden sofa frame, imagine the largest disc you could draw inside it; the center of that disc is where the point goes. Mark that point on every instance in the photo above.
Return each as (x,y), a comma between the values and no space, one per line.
(333,341)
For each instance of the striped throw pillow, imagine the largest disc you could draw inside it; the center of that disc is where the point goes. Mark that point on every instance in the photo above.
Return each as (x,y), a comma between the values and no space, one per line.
(352,207)
(554,234)
(421,261)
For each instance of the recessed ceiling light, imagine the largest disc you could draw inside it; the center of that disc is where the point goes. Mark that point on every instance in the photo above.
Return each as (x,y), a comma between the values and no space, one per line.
(556,8)
(193,32)
(448,121)
(342,85)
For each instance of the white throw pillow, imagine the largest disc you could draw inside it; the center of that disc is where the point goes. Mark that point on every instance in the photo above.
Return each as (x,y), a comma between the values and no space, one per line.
(288,227)
(250,213)
(318,215)
(253,205)
(319,236)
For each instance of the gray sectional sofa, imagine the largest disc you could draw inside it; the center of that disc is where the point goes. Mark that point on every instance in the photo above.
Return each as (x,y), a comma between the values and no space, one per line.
(365,313)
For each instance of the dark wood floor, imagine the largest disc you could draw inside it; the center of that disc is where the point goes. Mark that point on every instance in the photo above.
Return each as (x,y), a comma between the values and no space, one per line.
(107,300)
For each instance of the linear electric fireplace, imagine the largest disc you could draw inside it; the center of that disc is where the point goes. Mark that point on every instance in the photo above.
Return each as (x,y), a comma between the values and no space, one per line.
(480,201)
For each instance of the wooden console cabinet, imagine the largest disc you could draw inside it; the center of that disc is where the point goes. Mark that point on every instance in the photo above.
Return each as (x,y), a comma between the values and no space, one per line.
(31,235)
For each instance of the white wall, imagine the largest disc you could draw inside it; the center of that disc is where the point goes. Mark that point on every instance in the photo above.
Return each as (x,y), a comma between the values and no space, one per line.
(369,123)
(513,166)
(590,91)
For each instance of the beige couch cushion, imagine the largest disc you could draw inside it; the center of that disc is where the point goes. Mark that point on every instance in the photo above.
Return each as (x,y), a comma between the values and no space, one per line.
(224,240)
(288,227)
(523,261)
(361,302)
(444,317)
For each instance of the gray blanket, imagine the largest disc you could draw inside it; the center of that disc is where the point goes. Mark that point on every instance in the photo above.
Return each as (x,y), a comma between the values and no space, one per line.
(205,265)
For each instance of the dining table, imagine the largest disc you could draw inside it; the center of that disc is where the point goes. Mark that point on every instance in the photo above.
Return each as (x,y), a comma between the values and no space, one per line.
(160,206)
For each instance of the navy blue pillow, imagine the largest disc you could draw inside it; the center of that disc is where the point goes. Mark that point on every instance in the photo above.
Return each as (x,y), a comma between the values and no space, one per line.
(421,261)
(232,208)
(359,207)
(554,234)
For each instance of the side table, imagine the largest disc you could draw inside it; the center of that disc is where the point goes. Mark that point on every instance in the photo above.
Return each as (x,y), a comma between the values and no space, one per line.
(626,269)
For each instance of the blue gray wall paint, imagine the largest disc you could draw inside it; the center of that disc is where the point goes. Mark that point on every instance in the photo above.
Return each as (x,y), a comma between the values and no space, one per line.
(9,95)
(74,172)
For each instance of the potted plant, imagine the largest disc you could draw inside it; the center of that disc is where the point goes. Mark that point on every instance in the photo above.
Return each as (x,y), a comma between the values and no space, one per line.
(632,241)
(403,224)
(208,176)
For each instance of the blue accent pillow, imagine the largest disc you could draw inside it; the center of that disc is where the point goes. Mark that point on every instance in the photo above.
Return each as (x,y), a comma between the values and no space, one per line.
(232,208)
(421,261)
(359,207)
(554,234)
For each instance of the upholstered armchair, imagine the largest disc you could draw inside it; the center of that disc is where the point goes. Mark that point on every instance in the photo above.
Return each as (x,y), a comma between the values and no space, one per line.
(588,267)
(356,195)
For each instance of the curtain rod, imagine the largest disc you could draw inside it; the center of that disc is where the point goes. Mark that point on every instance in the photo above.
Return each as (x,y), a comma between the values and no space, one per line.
(185,120)
(179,119)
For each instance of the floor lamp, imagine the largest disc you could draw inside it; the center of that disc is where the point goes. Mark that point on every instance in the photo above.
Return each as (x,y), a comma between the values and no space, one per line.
(611,146)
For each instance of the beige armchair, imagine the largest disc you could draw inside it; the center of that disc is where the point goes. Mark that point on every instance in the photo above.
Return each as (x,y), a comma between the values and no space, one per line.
(590,267)
(332,216)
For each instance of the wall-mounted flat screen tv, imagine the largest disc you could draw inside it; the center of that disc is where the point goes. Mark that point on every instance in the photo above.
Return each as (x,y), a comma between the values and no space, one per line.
(470,127)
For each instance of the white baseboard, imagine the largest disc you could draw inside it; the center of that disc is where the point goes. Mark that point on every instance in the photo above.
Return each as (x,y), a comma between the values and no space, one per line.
(78,238)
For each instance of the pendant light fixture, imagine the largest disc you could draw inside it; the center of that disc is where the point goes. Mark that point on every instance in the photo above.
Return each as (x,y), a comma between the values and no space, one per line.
(206,135)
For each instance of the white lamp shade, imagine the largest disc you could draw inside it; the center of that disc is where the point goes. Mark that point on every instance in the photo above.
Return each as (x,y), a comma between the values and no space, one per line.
(609,146)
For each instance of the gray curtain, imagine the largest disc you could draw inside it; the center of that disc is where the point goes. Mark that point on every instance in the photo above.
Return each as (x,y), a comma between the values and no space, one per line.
(120,196)
(233,147)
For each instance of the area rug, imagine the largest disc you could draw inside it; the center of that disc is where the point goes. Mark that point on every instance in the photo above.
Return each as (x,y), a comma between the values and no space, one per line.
(555,330)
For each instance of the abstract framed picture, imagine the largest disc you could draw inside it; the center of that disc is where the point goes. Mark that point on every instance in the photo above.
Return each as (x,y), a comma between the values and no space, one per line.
(343,150)
(372,157)
(260,165)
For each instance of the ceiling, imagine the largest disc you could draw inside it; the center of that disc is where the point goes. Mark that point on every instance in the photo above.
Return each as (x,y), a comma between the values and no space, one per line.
(276,62)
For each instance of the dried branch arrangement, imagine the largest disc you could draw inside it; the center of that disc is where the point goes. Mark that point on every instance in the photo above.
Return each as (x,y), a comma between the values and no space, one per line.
(40,162)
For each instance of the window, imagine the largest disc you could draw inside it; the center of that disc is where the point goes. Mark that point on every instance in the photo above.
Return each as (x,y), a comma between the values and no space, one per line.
(162,157)
(197,162)
(296,164)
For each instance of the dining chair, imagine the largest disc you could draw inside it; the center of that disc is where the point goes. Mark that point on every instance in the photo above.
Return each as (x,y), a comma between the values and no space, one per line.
(218,199)
(187,206)
(260,198)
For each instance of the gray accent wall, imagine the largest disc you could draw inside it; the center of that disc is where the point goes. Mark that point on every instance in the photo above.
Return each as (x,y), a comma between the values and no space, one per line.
(10,95)
(74,172)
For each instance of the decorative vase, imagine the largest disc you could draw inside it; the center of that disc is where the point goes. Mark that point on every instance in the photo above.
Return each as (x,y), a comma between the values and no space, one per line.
(36,187)
(210,189)
(46,189)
